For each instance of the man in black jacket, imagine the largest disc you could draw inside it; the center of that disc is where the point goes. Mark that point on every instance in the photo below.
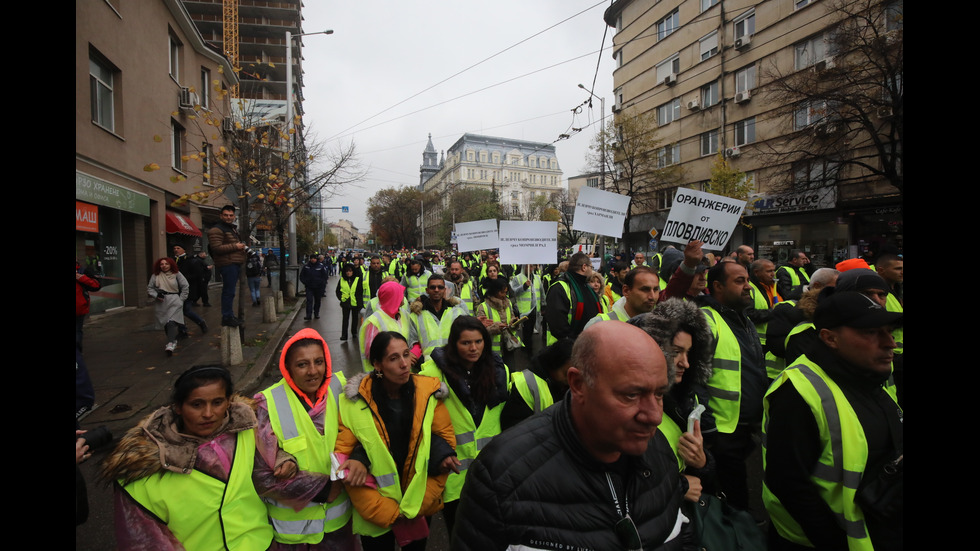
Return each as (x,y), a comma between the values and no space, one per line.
(591,472)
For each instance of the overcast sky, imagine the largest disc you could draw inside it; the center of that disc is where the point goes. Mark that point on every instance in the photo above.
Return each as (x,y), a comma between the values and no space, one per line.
(376,80)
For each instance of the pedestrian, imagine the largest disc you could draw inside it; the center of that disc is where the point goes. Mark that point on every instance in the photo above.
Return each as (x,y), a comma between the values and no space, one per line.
(253,273)
(168,288)
(229,254)
(85,283)
(271,266)
(191,268)
(396,429)
(314,277)
(184,474)
(206,275)
(351,300)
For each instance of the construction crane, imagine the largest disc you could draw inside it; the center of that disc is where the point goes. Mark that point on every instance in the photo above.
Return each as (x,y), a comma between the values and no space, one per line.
(229,35)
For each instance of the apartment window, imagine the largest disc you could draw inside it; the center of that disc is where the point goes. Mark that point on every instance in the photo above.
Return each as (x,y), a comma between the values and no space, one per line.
(709,143)
(745,79)
(470,173)
(803,3)
(808,113)
(532,162)
(176,145)
(204,92)
(618,98)
(514,195)
(665,198)
(592,182)
(483,156)
(745,131)
(515,210)
(668,155)
(705,4)
(206,163)
(470,156)
(814,49)
(175,50)
(101,80)
(745,25)
(668,24)
(671,66)
(618,57)
(709,45)
(815,173)
(669,112)
(496,158)
(709,94)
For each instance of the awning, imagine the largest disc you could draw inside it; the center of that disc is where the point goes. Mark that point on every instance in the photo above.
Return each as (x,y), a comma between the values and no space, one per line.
(178,223)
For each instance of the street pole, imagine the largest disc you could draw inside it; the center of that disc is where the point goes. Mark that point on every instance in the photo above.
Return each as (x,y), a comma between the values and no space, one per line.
(602,155)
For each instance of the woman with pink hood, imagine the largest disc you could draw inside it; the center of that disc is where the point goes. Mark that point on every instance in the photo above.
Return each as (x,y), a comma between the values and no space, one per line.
(391,316)
(299,415)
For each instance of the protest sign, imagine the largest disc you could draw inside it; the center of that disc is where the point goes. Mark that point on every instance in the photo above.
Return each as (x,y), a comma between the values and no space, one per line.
(528,242)
(704,216)
(475,236)
(600,212)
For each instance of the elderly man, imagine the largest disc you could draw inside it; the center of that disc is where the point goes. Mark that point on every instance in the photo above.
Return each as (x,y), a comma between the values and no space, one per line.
(571,303)
(832,426)
(764,295)
(592,471)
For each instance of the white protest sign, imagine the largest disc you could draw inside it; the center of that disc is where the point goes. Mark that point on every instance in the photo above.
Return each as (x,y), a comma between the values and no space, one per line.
(528,242)
(596,263)
(704,216)
(475,236)
(600,212)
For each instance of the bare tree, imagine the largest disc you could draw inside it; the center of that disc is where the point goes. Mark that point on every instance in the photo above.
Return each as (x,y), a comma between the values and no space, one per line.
(642,163)
(844,100)
(564,206)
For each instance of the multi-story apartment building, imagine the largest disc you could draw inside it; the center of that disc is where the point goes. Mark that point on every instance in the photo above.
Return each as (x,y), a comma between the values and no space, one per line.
(144,82)
(786,91)
(517,171)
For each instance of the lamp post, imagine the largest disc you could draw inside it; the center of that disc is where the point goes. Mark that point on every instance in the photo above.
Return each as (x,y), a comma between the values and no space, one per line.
(602,154)
(289,126)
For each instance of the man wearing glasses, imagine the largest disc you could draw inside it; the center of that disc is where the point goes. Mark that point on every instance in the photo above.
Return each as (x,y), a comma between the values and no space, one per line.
(590,472)
(432,316)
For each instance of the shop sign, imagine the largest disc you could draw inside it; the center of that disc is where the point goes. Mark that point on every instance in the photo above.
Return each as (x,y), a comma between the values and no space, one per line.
(86,217)
(818,199)
(94,190)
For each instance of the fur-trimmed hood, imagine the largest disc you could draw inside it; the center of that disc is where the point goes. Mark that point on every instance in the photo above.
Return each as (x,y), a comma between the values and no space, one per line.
(666,320)
(156,444)
(417,305)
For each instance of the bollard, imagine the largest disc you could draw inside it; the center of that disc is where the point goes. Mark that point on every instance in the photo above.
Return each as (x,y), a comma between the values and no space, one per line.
(290,290)
(268,309)
(231,346)
(280,303)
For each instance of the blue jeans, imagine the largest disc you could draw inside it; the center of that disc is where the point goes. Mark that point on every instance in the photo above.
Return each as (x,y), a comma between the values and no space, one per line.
(254,284)
(229,282)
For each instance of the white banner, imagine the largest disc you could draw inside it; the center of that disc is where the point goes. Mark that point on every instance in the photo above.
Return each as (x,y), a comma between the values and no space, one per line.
(475,236)
(528,242)
(704,216)
(600,212)
(596,263)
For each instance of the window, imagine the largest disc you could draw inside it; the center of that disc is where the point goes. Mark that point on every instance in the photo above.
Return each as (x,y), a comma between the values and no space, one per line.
(803,3)
(745,131)
(483,156)
(515,210)
(206,162)
(814,173)
(668,24)
(814,49)
(619,23)
(669,112)
(709,143)
(101,80)
(665,198)
(496,158)
(514,195)
(177,145)
(668,155)
(592,182)
(808,113)
(204,92)
(470,156)
(618,56)
(745,79)
(617,99)
(671,66)
(745,25)
(709,45)
(175,50)
(705,4)
(709,95)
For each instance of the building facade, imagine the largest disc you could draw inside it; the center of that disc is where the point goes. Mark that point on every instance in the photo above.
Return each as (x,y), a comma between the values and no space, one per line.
(518,172)
(783,91)
(144,77)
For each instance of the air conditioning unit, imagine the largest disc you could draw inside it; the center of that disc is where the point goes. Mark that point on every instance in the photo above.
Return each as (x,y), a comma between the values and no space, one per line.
(743,43)
(616,108)
(186,100)
(743,97)
(670,79)
(733,152)
(227,124)
(694,105)
(825,64)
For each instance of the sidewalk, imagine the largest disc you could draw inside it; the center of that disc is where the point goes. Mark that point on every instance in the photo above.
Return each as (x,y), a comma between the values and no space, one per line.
(132,374)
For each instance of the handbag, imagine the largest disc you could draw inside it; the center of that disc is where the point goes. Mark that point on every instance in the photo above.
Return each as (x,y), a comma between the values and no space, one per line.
(719,526)
(510,341)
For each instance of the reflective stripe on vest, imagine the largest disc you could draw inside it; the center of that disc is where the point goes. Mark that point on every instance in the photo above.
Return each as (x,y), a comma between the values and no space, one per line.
(383,322)
(761,303)
(311,450)
(725,384)
(529,386)
(494,316)
(838,472)
(204,513)
(672,433)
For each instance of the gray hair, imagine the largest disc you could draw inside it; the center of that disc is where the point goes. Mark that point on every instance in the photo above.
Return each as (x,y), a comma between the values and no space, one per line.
(822,277)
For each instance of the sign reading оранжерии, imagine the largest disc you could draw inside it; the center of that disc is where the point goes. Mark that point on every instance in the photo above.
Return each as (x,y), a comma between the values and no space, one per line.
(703,216)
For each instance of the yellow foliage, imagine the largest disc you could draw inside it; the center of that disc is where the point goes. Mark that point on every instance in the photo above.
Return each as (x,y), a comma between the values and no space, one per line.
(185,158)
(223,149)
(175,113)
(151,167)
(173,179)
(157,138)
(261,196)
(221,70)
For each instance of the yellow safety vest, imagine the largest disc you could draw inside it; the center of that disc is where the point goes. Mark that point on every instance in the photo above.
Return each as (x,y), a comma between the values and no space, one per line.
(383,322)
(842,462)
(725,384)
(204,513)
(433,332)
(494,316)
(298,436)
